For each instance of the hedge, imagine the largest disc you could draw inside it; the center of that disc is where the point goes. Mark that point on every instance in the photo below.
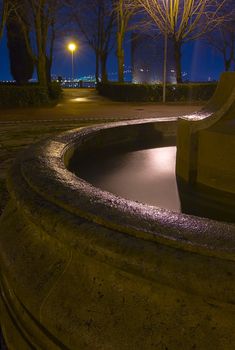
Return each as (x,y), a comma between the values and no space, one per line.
(55,91)
(29,95)
(153,93)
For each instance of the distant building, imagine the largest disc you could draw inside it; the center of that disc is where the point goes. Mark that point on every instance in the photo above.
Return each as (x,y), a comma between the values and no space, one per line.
(148,57)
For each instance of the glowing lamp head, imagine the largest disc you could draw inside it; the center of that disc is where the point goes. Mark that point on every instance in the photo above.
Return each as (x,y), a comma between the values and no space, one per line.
(72,47)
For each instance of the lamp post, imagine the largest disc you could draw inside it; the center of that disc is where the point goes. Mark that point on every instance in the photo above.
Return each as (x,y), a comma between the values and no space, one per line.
(165,66)
(72,47)
(165,57)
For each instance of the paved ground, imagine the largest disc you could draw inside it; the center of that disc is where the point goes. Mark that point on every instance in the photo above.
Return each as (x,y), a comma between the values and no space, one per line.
(21,127)
(86,103)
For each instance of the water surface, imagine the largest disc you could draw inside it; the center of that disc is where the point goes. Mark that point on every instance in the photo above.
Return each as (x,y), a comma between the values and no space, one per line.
(147,176)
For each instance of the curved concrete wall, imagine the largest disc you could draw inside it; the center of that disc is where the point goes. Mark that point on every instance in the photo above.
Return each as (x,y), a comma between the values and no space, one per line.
(84,269)
(191,163)
(216,158)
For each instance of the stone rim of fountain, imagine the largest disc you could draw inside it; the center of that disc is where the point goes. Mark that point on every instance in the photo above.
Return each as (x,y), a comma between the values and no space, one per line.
(42,168)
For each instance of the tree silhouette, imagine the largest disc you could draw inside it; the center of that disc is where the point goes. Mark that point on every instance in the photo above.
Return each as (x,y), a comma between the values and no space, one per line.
(184,20)
(5,7)
(43,17)
(21,63)
(95,20)
(124,11)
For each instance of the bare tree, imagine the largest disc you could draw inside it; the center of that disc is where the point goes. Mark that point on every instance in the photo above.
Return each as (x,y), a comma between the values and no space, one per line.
(95,20)
(43,16)
(184,20)
(5,8)
(223,37)
(124,11)
(223,40)
(21,63)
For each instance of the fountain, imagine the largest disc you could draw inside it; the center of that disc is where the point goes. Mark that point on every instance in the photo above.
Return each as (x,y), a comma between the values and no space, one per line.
(82,268)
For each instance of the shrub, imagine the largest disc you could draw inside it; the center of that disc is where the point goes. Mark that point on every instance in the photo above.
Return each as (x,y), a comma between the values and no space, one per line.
(153,93)
(29,95)
(55,91)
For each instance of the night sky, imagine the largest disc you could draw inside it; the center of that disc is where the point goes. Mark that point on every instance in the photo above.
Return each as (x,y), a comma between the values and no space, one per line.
(199,61)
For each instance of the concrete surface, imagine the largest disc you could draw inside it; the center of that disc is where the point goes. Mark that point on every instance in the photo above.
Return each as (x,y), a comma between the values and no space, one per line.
(86,103)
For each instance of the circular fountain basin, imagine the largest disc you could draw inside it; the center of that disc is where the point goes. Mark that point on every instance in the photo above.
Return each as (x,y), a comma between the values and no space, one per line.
(82,268)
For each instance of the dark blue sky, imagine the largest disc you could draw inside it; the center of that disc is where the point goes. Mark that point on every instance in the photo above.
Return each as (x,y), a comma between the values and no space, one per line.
(199,61)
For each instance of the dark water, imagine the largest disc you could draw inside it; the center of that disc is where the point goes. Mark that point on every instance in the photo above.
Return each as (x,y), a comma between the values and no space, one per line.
(147,176)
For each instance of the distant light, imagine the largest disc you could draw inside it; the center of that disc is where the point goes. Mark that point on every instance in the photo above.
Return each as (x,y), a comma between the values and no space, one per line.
(72,47)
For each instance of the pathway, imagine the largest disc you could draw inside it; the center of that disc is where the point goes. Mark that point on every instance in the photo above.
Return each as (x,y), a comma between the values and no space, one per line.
(86,104)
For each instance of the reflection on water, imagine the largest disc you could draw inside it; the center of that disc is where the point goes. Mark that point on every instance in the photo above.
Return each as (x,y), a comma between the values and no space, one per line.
(147,176)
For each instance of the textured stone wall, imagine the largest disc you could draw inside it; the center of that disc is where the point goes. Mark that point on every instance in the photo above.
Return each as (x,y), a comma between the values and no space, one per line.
(220,109)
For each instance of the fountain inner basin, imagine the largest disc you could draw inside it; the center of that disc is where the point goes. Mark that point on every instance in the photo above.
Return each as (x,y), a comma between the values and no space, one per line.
(145,175)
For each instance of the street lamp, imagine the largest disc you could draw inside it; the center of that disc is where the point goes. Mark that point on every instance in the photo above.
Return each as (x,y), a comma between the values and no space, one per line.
(165,67)
(72,47)
(165,57)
